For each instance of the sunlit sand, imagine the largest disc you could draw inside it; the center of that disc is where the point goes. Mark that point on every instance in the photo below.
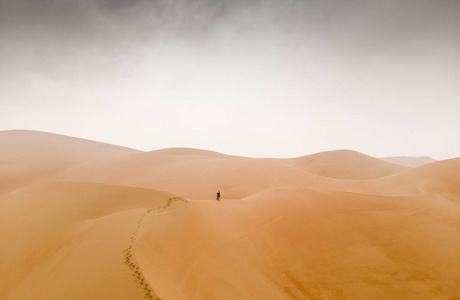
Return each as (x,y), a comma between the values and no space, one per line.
(86,220)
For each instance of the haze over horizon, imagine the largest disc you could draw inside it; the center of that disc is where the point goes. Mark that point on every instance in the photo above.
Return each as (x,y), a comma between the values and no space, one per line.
(253,78)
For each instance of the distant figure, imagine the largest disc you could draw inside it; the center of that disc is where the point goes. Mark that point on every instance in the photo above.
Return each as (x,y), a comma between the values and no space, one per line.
(218,195)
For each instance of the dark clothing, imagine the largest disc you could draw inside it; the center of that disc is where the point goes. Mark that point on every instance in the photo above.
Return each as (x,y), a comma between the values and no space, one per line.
(218,195)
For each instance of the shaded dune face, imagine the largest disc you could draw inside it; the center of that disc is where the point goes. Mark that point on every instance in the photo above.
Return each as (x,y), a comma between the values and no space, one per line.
(145,225)
(66,240)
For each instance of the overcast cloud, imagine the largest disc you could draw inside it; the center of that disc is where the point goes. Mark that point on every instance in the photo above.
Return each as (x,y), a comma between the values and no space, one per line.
(255,78)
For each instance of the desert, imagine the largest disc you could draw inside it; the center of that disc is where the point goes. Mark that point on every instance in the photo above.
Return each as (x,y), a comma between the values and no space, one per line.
(81,219)
(229,150)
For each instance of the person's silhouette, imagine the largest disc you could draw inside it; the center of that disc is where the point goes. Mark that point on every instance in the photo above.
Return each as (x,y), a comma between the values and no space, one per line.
(218,195)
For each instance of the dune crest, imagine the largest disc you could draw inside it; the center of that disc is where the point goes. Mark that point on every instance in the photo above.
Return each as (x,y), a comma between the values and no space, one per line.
(190,152)
(197,174)
(346,164)
(37,146)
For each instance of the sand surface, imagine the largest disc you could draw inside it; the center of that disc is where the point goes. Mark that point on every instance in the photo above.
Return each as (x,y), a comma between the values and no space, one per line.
(409,161)
(86,220)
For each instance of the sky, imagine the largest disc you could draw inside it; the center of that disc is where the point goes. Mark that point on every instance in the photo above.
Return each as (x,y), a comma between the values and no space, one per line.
(258,78)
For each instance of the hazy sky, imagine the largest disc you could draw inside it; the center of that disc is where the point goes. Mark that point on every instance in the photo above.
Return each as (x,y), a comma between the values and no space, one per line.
(273,78)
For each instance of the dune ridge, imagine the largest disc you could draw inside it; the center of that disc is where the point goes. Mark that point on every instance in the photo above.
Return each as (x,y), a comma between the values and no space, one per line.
(130,262)
(440,177)
(38,146)
(196,174)
(346,164)
(79,224)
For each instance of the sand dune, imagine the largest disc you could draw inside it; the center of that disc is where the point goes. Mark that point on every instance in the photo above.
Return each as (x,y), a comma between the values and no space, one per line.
(332,225)
(192,176)
(197,174)
(192,152)
(305,244)
(66,240)
(408,161)
(346,164)
(441,177)
(14,175)
(36,146)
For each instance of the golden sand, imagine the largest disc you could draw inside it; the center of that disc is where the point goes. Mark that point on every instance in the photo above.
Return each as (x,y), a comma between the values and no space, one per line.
(87,220)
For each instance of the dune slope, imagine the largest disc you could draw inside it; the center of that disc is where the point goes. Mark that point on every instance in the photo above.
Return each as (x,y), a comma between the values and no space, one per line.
(438,178)
(85,220)
(197,174)
(66,240)
(346,164)
(37,146)
(305,244)
(193,173)
(408,161)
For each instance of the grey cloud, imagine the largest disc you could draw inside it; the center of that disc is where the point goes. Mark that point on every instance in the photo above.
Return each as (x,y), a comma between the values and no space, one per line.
(314,62)
(64,39)
(114,23)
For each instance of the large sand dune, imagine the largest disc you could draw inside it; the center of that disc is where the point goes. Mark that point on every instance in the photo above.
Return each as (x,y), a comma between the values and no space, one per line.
(36,146)
(66,240)
(192,173)
(408,161)
(346,164)
(78,224)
